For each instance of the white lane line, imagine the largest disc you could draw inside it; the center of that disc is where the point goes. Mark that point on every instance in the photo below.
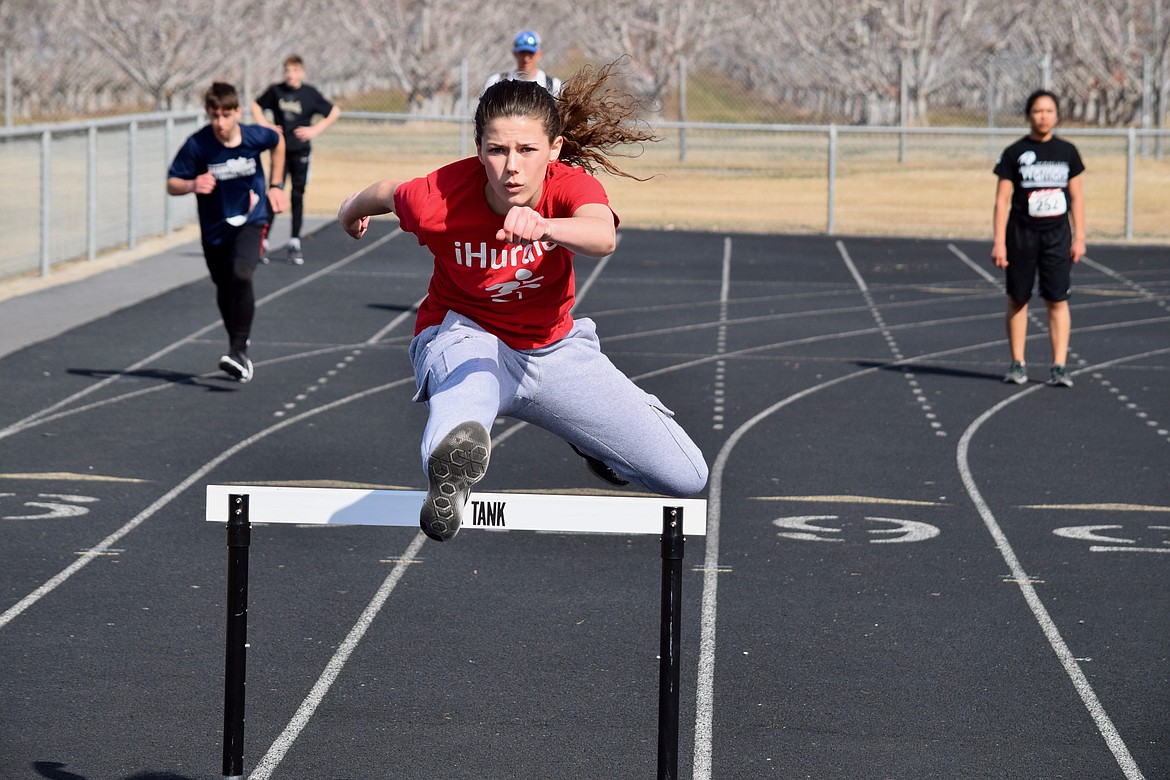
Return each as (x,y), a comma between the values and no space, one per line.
(705,669)
(304,713)
(705,683)
(979,269)
(1022,579)
(705,694)
(48,587)
(920,397)
(36,416)
(772,318)
(720,395)
(856,274)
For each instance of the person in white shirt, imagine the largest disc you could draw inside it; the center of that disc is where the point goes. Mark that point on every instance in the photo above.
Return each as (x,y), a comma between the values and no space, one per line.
(526,49)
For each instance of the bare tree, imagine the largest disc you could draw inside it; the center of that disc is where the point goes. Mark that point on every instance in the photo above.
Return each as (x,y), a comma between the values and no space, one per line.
(422,45)
(654,34)
(1099,50)
(169,48)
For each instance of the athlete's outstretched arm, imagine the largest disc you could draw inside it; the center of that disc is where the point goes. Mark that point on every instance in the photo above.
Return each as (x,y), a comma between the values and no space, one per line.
(356,210)
(590,231)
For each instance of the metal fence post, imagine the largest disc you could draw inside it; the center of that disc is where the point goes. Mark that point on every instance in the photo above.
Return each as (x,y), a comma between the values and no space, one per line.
(1130,148)
(168,141)
(132,185)
(463,107)
(8,89)
(832,175)
(46,197)
(903,108)
(682,109)
(91,193)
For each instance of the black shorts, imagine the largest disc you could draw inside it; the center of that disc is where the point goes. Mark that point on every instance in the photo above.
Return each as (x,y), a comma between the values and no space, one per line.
(1043,253)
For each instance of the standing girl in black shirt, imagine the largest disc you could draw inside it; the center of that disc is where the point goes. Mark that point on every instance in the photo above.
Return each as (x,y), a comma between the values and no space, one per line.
(1039,190)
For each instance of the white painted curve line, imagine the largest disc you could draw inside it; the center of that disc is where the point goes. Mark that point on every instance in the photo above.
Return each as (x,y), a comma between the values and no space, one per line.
(705,683)
(36,417)
(49,586)
(705,694)
(304,713)
(1081,683)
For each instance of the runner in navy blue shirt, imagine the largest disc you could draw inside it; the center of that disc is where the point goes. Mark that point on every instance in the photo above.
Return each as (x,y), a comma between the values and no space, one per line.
(293,104)
(221,164)
(1039,189)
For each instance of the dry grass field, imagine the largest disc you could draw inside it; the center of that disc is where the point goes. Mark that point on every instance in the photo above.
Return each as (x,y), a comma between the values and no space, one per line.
(777,183)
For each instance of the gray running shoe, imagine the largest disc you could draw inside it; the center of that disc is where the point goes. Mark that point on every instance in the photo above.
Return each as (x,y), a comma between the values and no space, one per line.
(1058,376)
(458,462)
(599,469)
(1016,373)
(294,255)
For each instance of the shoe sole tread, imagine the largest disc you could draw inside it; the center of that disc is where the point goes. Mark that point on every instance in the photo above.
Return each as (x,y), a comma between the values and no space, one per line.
(458,462)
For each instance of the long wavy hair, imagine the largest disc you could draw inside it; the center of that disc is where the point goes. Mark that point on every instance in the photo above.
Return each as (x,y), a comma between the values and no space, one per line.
(591,114)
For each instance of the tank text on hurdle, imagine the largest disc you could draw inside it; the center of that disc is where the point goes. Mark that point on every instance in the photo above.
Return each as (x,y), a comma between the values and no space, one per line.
(488,513)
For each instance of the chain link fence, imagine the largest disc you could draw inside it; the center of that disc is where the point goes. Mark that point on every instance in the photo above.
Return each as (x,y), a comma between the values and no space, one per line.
(736,153)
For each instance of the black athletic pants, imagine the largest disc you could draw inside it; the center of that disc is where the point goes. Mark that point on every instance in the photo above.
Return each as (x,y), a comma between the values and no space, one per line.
(232,265)
(296,173)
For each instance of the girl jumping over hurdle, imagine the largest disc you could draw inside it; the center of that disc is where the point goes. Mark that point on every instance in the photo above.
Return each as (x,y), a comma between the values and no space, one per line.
(494,335)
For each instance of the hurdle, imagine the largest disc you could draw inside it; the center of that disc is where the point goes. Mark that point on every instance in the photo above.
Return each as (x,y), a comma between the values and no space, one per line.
(239,506)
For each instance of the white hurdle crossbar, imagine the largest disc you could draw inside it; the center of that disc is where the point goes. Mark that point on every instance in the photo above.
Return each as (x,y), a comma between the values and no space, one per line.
(493,511)
(241,505)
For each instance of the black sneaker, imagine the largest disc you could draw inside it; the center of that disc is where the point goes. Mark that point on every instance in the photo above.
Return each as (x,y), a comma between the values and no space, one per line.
(1058,376)
(237,366)
(294,255)
(458,462)
(600,470)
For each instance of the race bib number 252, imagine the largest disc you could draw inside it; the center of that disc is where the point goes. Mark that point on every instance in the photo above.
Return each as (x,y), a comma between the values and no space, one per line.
(1047,203)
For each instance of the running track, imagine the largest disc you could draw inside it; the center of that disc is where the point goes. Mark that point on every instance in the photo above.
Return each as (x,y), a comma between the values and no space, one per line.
(911,570)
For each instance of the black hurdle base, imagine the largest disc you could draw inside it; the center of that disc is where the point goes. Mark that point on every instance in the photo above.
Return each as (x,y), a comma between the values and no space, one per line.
(239,533)
(669,640)
(239,536)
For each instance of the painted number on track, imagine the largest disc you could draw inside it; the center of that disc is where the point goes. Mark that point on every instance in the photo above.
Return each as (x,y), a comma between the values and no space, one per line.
(49,506)
(1106,538)
(831,528)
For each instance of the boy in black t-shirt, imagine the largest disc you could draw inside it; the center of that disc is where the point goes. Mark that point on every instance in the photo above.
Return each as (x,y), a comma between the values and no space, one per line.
(293,104)
(1039,189)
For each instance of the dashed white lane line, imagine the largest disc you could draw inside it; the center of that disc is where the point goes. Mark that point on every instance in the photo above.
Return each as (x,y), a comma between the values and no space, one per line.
(718,412)
(920,397)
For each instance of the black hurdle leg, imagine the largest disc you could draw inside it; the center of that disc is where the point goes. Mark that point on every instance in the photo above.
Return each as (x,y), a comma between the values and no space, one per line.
(668,671)
(239,532)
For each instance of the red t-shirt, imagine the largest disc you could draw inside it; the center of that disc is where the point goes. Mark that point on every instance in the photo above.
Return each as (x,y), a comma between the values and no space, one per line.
(520,294)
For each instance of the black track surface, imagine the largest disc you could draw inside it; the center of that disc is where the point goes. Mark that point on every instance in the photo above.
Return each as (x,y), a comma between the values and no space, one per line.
(913,571)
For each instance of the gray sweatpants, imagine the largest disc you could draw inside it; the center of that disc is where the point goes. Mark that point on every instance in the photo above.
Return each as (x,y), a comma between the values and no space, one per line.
(568,388)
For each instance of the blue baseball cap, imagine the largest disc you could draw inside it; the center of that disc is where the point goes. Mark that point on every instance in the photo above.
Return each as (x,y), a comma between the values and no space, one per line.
(526,40)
